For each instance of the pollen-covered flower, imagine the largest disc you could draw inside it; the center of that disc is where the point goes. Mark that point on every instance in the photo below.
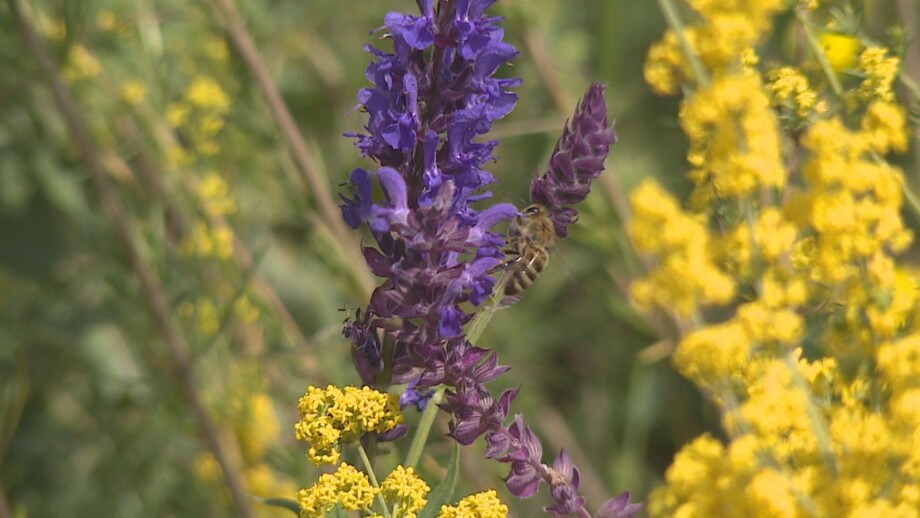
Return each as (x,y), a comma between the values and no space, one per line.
(332,417)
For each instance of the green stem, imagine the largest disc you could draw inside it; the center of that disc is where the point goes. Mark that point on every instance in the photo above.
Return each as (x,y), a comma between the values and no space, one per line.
(369,469)
(481,320)
(801,15)
(677,25)
(423,429)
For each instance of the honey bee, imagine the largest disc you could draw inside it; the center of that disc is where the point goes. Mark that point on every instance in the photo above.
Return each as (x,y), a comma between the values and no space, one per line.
(531,237)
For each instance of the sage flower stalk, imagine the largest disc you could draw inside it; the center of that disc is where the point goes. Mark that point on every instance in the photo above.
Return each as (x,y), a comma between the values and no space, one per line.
(434,246)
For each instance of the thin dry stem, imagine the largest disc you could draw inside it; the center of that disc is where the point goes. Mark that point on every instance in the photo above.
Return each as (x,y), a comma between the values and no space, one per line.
(241,253)
(547,71)
(308,169)
(5,511)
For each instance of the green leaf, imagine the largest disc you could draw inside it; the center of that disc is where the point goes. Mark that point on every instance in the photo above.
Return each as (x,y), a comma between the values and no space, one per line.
(443,493)
(286,503)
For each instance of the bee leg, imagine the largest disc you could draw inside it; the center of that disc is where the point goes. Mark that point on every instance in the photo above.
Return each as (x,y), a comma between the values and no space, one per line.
(505,265)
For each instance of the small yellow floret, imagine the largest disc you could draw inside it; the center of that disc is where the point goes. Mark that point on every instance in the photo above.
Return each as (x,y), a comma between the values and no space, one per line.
(347,487)
(481,505)
(331,417)
(404,492)
(205,92)
(880,71)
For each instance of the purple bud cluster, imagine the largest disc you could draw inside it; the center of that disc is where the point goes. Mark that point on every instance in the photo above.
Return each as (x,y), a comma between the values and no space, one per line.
(576,161)
(432,98)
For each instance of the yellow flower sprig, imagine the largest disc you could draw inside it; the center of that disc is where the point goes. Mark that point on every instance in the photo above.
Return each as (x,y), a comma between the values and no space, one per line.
(332,417)
(347,487)
(480,505)
(811,250)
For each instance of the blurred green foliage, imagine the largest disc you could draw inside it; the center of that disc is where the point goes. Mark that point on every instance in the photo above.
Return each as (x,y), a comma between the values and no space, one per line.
(91,419)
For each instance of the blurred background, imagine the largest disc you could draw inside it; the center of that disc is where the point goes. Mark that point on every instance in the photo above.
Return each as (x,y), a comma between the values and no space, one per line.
(96,414)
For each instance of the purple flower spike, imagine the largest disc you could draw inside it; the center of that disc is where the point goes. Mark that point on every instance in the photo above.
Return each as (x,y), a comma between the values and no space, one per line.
(430,103)
(577,160)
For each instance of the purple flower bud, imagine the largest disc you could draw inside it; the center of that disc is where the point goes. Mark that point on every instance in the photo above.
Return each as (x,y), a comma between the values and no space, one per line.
(576,161)
(523,480)
(619,507)
(564,480)
(414,397)
(357,209)
(365,347)
(394,433)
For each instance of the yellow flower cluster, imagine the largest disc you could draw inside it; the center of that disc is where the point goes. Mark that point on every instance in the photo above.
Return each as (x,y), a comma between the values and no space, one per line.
(880,71)
(717,357)
(404,492)
(807,243)
(249,416)
(215,196)
(201,114)
(347,487)
(202,314)
(133,91)
(81,64)
(686,277)
(725,30)
(205,240)
(332,417)
(792,455)
(480,505)
(789,88)
(734,146)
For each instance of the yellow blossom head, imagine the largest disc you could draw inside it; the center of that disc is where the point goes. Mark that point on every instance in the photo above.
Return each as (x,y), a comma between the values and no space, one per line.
(347,487)
(480,505)
(404,492)
(334,416)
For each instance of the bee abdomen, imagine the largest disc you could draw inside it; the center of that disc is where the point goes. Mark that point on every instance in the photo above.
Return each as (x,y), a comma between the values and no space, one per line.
(529,267)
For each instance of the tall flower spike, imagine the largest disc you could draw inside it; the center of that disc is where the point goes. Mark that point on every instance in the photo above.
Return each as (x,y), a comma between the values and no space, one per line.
(576,161)
(431,99)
